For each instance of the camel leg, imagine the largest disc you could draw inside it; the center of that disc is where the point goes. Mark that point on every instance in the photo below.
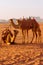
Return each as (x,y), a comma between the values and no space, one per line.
(15,35)
(39,33)
(4,40)
(33,37)
(39,39)
(27,36)
(23,37)
(8,40)
(36,37)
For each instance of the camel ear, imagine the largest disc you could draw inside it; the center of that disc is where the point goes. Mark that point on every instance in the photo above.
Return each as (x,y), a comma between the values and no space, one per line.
(10,20)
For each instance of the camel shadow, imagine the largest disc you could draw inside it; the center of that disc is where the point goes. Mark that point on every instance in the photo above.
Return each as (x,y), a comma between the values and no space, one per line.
(14,43)
(29,44)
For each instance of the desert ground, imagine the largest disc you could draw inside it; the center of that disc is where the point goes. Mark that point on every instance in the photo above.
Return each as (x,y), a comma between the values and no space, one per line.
(21,54)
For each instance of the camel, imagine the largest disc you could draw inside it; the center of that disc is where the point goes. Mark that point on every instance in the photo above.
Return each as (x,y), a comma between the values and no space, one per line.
(27,25)
(30,24)
(34,25)
(8,37)
(16,26)
(4,35)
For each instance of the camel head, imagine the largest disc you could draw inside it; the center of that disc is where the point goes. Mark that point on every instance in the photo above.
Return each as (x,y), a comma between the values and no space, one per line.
(11,21)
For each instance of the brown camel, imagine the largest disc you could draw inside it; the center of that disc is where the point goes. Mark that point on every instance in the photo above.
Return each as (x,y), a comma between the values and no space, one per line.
(17,27)
(4,34)
(35,28)
(8,37)
(27,25)
(30,24)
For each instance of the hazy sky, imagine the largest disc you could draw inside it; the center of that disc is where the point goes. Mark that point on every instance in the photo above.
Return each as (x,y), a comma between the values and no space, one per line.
(20,8)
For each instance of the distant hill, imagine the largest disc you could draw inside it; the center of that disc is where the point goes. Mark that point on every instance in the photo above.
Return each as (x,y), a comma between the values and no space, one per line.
(3,21)
(38,19)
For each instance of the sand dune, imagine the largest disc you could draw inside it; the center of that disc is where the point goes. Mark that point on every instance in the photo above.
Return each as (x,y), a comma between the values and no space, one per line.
(21,54)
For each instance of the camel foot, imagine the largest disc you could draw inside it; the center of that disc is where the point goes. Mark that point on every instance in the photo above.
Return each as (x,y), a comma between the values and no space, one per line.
(13,43)
(8,43)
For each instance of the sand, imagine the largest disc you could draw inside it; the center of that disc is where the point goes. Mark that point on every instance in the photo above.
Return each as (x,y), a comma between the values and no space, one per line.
(21,54)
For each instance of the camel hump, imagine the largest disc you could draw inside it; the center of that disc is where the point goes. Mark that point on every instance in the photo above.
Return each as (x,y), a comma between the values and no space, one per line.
(29,17)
